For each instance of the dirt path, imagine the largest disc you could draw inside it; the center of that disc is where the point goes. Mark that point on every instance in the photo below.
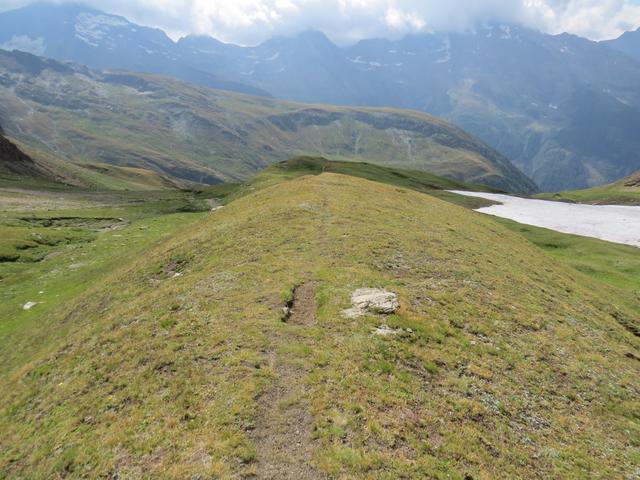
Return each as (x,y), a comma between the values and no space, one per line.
(303,310)
(284,427)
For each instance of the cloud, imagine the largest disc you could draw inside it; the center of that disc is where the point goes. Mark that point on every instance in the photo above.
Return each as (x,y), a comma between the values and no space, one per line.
(345,21)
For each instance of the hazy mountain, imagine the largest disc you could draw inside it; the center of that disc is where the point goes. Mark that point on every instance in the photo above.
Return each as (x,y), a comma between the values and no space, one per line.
(99,40)
(562,108)
(628,42)
(209,136)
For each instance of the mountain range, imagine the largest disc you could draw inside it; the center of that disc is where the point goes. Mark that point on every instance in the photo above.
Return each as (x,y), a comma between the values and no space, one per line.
(564,109)
(187,132)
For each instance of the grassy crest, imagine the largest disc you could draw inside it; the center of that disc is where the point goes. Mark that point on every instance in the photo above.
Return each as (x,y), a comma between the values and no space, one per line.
(174,361)
(622,192)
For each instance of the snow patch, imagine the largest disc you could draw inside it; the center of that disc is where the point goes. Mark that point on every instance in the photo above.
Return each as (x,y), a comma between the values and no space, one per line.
(92,29)
(505,32)
(359,60)
(445,50)
(613,223)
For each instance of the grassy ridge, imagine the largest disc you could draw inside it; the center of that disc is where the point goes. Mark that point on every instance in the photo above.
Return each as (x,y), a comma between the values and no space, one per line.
(622,192)
(508,365)
(302,166)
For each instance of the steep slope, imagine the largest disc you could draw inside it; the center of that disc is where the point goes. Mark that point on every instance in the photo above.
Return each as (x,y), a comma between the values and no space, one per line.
(14,162)
(26,166)
(501,363)
(622,192)
(209,136)
(563,108)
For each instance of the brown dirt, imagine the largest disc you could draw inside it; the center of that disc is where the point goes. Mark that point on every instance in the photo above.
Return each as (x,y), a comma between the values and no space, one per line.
(285,424)
(303,308)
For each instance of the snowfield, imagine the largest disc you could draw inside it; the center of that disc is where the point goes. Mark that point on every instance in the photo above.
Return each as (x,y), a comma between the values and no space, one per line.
(614,223)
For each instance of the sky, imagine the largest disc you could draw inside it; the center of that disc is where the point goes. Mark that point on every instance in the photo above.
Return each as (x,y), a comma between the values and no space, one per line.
(248,22)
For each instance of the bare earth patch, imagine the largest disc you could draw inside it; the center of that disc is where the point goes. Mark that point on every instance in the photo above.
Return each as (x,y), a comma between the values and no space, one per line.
(303,308)
(283,431)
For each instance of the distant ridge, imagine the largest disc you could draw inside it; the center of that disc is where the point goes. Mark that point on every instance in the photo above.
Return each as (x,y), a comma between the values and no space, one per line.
(211,136)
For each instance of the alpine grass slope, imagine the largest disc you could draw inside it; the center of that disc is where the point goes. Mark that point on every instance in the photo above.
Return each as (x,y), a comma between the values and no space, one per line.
(504,361)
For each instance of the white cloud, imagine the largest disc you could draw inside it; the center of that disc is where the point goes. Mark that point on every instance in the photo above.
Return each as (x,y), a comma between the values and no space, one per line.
(251,21)
(404,21)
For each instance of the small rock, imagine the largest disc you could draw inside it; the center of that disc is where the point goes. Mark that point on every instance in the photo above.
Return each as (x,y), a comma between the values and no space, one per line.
(29,305)
(386,331)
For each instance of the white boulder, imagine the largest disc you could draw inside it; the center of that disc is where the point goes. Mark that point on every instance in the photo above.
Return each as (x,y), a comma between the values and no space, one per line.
(372,300)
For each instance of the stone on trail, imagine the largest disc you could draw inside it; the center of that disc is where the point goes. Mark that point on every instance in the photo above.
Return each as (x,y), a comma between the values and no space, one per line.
(29,305)
(372,300)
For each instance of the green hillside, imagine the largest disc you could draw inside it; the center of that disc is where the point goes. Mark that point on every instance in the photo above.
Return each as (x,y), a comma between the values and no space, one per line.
(169,356)
(622,192)
(209,136)
(24,166)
